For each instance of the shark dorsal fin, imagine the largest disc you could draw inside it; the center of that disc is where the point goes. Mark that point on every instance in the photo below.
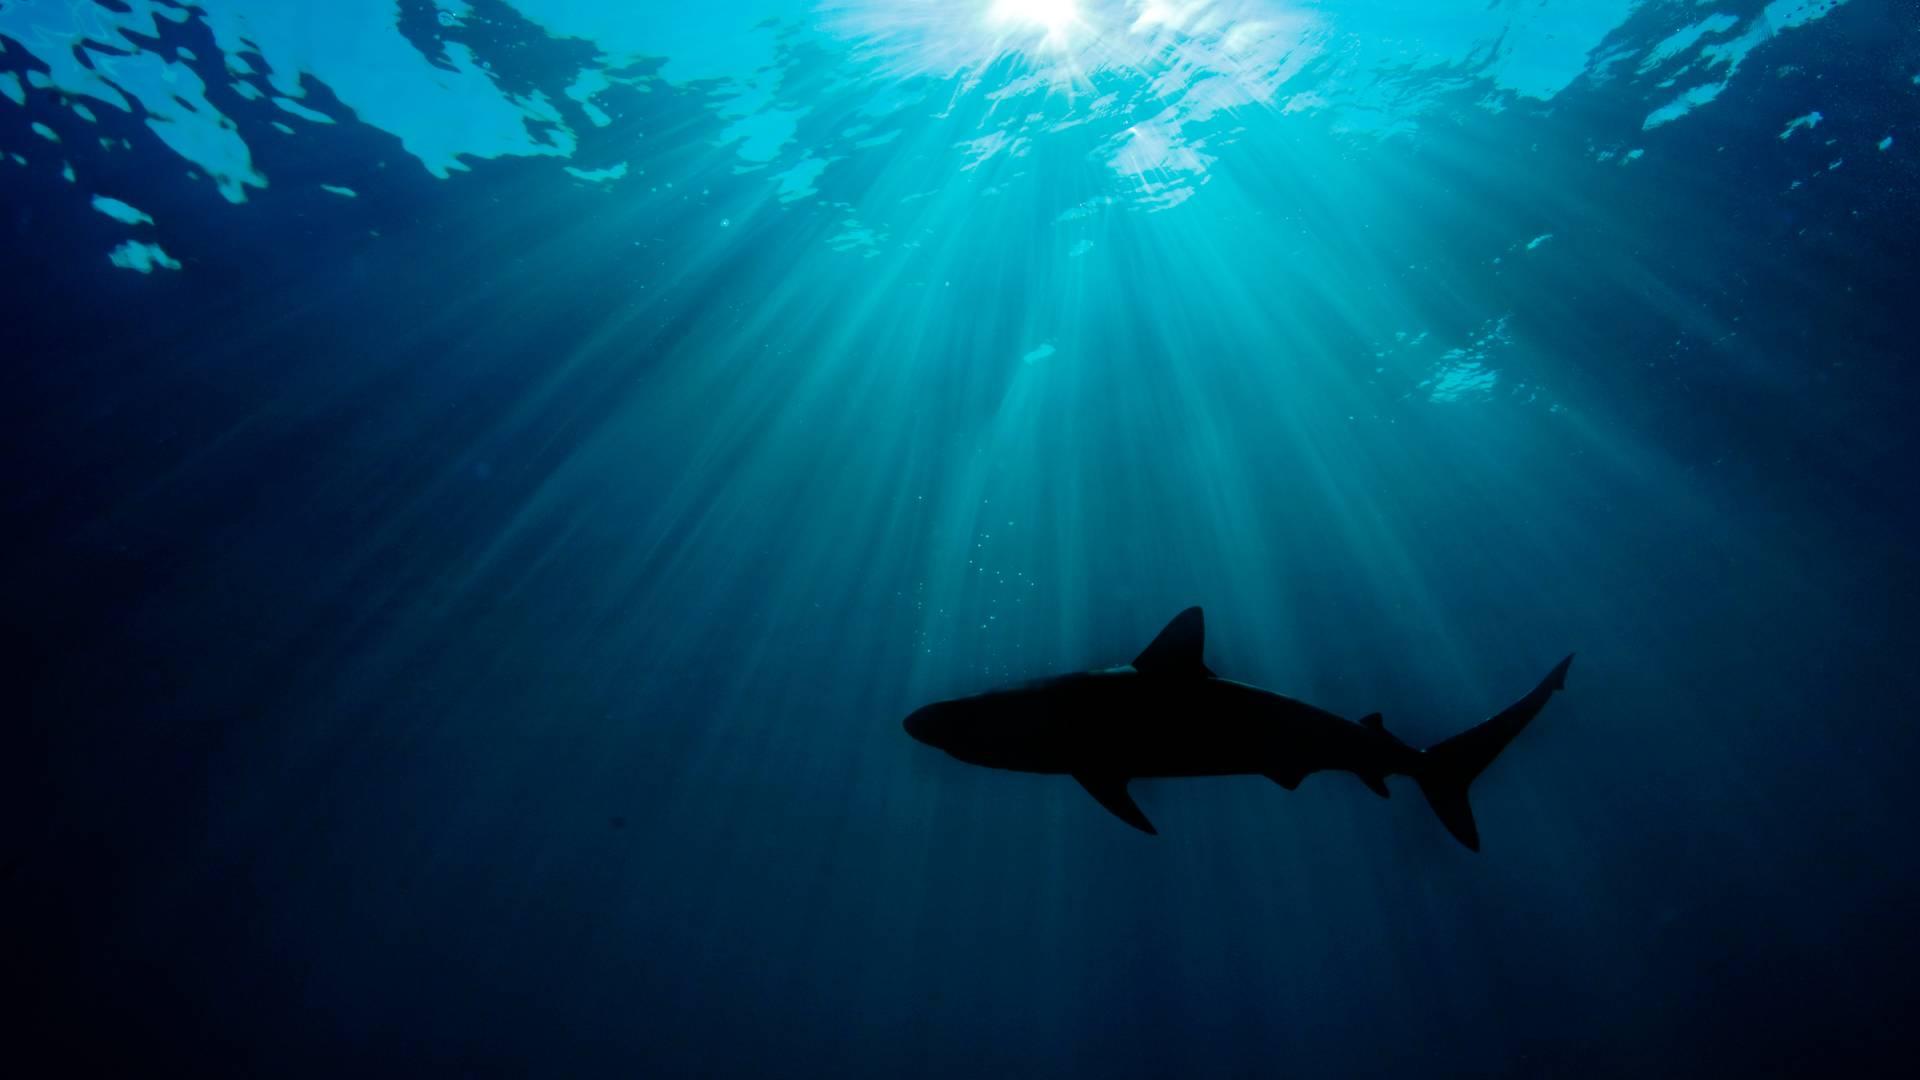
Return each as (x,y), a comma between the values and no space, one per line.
(1177,650)
(1374,721)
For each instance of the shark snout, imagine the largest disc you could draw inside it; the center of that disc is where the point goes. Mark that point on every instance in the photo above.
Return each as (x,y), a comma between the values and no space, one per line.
(932,724)
(919,724)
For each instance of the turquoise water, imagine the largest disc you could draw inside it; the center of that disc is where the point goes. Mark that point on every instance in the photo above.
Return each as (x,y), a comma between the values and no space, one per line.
(487,479)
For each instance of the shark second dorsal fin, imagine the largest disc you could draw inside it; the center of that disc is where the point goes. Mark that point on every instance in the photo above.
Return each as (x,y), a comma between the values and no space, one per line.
(1177,650)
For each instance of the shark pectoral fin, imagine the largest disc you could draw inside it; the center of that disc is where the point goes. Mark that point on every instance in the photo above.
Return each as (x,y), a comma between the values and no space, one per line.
(1177,650)
(1111,792)
(1286,780)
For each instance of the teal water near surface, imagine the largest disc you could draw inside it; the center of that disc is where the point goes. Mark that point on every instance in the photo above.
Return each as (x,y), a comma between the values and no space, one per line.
(488,479)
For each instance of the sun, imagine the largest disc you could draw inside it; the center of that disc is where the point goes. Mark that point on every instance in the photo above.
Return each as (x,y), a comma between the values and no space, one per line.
(1056,17)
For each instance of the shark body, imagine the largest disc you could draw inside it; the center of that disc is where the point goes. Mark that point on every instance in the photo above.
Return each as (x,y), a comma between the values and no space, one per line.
(1167,715)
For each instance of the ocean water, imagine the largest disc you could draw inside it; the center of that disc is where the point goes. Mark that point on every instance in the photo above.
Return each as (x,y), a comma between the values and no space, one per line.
(485,479)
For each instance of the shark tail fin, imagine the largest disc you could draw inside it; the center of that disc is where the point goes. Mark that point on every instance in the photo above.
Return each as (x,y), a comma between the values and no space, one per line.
(1449,768)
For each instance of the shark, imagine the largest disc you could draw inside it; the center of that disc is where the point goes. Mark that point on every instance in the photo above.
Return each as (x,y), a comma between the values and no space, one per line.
(1167,715)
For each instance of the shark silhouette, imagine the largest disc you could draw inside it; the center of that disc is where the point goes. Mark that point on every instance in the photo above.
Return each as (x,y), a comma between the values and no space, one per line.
(1166,715)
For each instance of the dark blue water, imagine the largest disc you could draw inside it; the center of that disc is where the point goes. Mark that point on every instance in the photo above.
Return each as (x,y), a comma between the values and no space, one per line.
(466,607)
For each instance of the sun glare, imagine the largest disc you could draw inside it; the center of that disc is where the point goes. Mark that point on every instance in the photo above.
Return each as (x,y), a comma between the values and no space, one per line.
(1053,16)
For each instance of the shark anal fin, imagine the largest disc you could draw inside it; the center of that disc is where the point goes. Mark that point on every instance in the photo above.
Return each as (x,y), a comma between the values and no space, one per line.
(1111,792)
(1288,780)
(1178,649)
